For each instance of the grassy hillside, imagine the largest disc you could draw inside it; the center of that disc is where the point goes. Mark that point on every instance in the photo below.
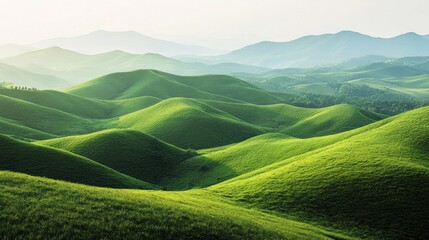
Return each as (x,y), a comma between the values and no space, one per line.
(335,119)
(297,121)
(216,165)
(162,85)
(364,184)
(136,84)
(188,123)
(64,102)
(83,212)
(19,156)
(16,130)
(42,118)
(130,152)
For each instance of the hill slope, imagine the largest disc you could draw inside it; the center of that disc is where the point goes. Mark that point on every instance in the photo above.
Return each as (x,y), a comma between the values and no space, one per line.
(188,123)
(130,152)
(364,183)
(42,118)
(83,212)
(163,85)
(49,162)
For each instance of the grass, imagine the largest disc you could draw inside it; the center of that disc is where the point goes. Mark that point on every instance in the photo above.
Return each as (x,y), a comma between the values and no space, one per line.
(163,85)
(82,212)
(11,128)
(42,118)
(300,122)
(123,103)
(363,184)
(130,152)
(264,171)
(49,162)
(139,83)
(67,103)
(189,123)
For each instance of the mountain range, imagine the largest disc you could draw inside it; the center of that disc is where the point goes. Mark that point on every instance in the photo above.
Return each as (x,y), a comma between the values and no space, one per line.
(104,41)
(310,51)
(71,67)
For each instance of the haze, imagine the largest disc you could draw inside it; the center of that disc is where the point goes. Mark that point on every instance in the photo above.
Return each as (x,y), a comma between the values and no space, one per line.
(204,22)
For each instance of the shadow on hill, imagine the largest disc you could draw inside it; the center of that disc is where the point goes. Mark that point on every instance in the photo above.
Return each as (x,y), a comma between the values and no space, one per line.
(196,172)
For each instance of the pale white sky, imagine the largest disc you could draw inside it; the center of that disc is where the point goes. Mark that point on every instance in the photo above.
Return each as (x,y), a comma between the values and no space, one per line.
(26,21)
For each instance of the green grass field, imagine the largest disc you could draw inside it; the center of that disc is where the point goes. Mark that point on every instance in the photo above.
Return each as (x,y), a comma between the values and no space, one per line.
(150,155)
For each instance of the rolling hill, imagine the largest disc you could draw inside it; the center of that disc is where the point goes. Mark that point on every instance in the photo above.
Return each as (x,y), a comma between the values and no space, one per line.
(364,183)
(263,169)
(76,68)
(189,123)
(219,109)
(83,212)
(130,152)
(163,85)
(19,156)
(371,85)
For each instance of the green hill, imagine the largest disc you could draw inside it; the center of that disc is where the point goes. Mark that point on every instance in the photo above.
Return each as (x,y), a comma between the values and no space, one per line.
(125,106)
(16,130)
(42,118)
(63,102)
(136,84)
(213,114)
(298,121)
(130,152)
(188,123)
(364,184)
(19,156)
(216,165)
(82,212)
(335,119)
(162,85)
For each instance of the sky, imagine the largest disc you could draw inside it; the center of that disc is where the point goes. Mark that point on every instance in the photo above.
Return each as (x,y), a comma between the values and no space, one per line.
(226,23)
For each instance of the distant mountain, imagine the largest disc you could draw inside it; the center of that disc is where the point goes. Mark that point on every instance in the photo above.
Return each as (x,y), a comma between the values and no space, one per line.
(134,42)
(325,49)
(76,67)
(23,78)
(10,50)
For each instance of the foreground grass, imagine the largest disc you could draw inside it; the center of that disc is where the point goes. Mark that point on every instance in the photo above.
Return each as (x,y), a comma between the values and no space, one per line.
(38,208)
(20,156)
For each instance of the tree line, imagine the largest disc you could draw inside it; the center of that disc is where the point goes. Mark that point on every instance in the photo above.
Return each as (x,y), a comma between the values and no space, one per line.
(5,85)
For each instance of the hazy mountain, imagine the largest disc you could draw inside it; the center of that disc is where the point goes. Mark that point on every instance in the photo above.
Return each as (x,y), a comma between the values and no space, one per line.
(326,49)
(134,42)
(76,67)
(9,50)
(20,77)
